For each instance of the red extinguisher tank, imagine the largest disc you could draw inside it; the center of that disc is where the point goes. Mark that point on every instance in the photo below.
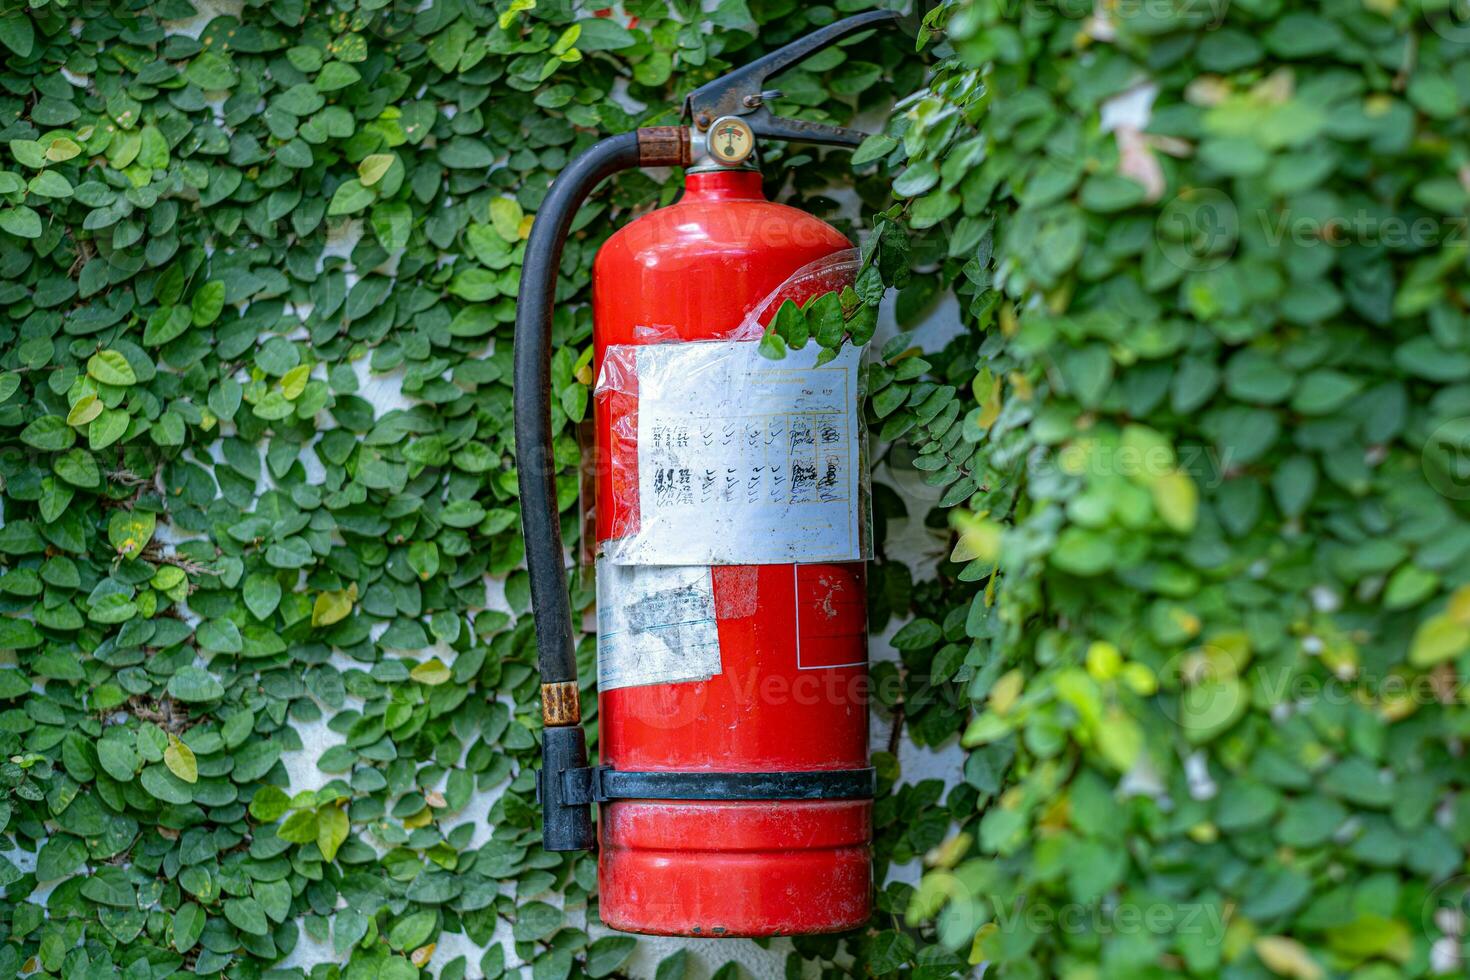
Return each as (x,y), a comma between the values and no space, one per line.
(791,693)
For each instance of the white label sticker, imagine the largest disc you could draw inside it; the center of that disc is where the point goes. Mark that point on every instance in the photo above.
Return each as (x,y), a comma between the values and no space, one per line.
(655,625)
(743,460)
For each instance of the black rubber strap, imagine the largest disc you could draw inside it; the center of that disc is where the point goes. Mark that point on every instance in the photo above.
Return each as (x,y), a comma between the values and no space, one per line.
(604,784)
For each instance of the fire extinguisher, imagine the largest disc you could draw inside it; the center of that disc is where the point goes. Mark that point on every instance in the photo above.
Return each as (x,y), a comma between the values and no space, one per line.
(737,802)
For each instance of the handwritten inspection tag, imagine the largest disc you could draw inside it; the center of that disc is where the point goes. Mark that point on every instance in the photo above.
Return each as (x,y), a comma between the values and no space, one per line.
(745,460)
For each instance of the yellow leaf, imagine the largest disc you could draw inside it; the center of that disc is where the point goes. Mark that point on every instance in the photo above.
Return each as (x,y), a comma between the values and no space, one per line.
(524,231)
(431,672)
(1438,638)
(1074,687)
(293,382)
(949,853)
(1140,679)
(983,948)
(1119,739)
(1370,936)
(422,955)
(1008,320)
(1177,500)
(567,40)
(372,168)
(1459,607)
(167,577)
(984,729)
(87,408)
(180,760)
(1286,957)
(333,607)
(331,830)
(1204,832)
(62,149)
(506,216)
(979,538)
(516,6)
(1006,691)
(1104,660)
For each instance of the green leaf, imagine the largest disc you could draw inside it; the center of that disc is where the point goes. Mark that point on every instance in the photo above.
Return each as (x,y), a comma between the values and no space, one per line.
(335,76)
(112,368)
(195,684)
(536,921)
(21,221)
(207,304)
(162,784)
(1209,708)
(262,594)
(246,915)
(349,198)
(269,804)
(119,759)
(412,931)
(608,954)
(130,531)
(186,926)
(16,33)
(211,71)
(675,966)
(110,886)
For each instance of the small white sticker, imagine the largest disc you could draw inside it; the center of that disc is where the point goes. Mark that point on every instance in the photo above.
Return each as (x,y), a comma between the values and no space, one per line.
(743,460)
(655,625)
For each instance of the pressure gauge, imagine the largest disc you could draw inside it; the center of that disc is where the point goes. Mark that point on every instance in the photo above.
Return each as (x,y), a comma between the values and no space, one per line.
(730,140)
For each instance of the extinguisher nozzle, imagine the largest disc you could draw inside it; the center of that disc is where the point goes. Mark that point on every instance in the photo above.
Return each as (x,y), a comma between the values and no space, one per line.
(567,825)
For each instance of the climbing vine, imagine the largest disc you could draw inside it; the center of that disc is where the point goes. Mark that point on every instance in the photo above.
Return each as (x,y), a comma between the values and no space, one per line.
(1197,460)
(267,700)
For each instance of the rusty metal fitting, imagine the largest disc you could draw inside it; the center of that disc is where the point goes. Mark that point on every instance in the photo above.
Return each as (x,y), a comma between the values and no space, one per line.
(663,146)
(561,705)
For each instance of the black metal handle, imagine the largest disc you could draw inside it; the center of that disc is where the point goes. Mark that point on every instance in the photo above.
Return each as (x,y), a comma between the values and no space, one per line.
(738,93)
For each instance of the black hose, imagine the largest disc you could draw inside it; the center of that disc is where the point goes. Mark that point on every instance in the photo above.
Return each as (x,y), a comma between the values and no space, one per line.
(567,826)
(556,649)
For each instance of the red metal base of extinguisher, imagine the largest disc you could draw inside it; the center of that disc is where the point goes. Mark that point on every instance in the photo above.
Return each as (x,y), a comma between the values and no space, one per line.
(730,869)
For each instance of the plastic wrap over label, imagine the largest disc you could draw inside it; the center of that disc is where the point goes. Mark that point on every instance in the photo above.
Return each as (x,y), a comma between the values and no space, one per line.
(743,460)
(655,625)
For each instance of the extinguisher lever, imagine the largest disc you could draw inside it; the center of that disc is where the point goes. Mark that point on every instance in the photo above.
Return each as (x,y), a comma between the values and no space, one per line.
(803,131)
(742,92)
